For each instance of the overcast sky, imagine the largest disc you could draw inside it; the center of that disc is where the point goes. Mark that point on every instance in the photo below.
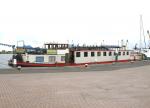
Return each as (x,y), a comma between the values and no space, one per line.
(83,21)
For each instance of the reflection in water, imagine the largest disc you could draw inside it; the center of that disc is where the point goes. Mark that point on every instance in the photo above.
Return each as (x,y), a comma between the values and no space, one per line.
(4,60)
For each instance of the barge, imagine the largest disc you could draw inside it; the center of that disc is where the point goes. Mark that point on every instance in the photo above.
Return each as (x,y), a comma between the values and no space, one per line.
(59,54)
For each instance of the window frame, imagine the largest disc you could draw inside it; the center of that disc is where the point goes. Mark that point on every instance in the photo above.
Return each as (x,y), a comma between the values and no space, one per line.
(110,53)
(78,54)
(39,59)
(104,53)
(92,54)
(85,54)
(98,53)
(124,53)
(127,52)
(63,58)
(119,53)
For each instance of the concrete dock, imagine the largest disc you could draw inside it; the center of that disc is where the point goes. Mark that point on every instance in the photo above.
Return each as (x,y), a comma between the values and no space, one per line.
(125,85)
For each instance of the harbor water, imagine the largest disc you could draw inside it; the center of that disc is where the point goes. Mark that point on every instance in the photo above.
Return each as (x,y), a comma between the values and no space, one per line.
(4,60)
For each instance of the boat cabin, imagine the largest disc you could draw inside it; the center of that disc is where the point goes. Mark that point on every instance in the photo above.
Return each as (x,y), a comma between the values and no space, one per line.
(98,54)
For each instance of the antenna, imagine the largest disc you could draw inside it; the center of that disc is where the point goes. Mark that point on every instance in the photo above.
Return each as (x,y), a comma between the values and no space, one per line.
(122,42)
(127,43)
(103,42)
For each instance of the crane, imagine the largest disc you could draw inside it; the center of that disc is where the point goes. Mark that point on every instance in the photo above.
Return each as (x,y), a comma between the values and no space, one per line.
(13,46)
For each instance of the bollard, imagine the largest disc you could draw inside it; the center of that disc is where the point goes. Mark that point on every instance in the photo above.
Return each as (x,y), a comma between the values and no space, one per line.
(86,65)
(19,68)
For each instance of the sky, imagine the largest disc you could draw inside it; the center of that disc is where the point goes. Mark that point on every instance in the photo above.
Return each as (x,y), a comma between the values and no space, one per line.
(72,21)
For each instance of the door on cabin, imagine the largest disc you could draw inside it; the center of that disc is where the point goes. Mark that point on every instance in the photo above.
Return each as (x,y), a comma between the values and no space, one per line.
(52,59)
(71,57)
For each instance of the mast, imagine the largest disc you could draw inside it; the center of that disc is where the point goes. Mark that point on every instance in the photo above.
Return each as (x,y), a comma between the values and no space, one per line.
(149,39)
(142,34)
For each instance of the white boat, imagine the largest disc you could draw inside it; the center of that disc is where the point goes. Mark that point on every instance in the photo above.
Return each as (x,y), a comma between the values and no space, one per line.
(58,54)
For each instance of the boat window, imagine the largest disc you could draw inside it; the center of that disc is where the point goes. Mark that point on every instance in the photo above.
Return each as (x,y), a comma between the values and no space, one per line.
(115,53)
(110,53)
(98,53)
(104,54)
(92,54)
(85,54)
(78,54)
(52,59)
(127,53)
(119,53)
(59,46)
(62,58)
(39,59)
(123,53)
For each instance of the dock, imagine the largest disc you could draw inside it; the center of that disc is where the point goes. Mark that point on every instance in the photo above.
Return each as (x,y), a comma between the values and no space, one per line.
(120,85)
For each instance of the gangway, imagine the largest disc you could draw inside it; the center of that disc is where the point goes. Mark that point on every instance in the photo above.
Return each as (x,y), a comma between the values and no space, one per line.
(13,46)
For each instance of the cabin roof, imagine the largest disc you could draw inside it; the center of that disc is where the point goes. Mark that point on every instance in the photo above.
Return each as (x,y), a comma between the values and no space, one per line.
(56,44)
(102,47)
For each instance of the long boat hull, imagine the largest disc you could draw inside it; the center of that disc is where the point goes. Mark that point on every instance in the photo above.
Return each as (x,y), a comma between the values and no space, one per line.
(24,64)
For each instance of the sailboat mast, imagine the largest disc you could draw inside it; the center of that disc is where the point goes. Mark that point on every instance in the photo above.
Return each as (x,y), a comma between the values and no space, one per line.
(142,33)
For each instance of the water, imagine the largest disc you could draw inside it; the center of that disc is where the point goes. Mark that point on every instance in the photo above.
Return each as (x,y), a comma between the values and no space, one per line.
(4,60)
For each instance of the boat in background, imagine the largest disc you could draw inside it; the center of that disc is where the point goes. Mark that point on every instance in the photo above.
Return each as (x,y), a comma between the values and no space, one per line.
(144,51)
